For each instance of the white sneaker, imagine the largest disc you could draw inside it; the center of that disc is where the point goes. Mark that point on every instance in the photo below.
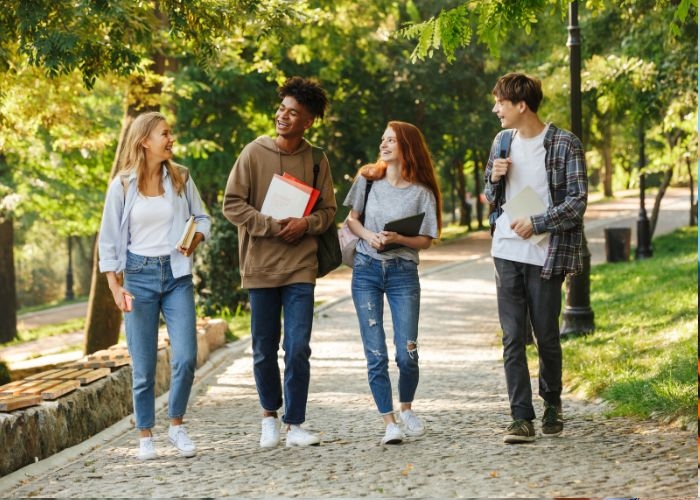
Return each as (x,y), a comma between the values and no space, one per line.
(393,434)
(270,436)
(296,436)
(412,424)
(147,448)
(177,434)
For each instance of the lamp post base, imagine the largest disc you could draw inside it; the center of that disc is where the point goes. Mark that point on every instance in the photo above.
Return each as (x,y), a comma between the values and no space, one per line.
(577,318)
(643,250)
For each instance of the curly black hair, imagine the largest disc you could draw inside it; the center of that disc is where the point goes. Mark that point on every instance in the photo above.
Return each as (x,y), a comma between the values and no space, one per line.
(307,92)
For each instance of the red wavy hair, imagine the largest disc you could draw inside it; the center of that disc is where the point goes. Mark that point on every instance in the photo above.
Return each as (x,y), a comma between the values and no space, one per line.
(416,162)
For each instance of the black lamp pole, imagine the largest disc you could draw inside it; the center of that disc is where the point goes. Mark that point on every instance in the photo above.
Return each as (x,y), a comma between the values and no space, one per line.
(69,272)
(577,316)
(644,250)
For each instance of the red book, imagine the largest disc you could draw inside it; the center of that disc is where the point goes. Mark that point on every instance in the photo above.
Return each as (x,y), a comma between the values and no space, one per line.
(315,193)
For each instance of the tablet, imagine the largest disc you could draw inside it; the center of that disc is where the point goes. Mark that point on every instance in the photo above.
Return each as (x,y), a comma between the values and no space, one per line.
(408,226)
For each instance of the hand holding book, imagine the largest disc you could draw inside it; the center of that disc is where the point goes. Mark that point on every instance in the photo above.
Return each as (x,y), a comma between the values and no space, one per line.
(185,241)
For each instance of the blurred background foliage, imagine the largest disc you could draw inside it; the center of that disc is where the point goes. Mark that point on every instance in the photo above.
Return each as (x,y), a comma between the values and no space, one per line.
(68,70)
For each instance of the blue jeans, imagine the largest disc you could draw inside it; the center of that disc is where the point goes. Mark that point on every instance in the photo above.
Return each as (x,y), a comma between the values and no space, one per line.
(151,281)
(524,298)
(398,279)
(266,305)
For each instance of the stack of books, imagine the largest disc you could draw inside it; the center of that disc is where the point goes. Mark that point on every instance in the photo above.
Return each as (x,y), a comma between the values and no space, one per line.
(288,196)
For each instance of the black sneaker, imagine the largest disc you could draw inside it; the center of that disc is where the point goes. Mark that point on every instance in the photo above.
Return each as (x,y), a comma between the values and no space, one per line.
(552,420)
(520,431)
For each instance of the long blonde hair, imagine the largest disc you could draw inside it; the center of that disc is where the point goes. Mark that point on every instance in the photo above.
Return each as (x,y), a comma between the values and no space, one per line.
(134,154)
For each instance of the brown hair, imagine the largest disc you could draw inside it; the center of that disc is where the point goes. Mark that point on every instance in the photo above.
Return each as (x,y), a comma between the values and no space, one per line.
(134,154)
(516,87)
(416,163)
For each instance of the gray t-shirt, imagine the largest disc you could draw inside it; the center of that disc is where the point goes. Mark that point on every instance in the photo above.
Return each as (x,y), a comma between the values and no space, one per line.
(387,203)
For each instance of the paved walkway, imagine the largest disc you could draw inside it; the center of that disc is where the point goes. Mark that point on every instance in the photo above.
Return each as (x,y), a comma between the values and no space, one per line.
(461,396)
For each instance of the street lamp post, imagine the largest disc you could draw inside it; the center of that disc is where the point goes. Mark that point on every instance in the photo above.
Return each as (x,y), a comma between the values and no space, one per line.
(693,202)
(577,316)
(69,271)
(644,250)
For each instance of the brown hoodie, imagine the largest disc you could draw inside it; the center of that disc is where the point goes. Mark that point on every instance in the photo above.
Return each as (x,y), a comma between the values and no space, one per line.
(265,260)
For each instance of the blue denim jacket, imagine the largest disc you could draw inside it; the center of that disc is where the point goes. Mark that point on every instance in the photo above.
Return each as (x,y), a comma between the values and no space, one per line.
(115,231)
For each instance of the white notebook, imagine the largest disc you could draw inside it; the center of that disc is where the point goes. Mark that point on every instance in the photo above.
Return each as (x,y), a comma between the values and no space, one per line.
(284,199)
(525,204)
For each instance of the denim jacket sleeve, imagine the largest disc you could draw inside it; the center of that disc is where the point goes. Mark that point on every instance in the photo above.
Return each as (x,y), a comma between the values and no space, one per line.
(113,230)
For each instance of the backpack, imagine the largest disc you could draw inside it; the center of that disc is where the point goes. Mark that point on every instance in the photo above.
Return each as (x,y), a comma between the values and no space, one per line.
(328,252)
(495,209)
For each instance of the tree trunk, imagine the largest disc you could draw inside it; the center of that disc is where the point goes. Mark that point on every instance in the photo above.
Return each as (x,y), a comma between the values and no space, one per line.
(103,319)
(8,289)
(693,201)
(8,293)
(606,150)
(465,216)
(478,173)
(666,181)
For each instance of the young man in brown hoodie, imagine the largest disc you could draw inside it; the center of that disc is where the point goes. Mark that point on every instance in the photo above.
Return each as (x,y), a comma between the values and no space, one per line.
(278,257)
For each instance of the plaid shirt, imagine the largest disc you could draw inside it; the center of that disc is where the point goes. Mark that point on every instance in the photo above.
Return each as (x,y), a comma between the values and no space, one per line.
(565,163)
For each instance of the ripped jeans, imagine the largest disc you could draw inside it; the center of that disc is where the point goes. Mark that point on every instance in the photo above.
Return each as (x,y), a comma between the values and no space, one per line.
(398,280)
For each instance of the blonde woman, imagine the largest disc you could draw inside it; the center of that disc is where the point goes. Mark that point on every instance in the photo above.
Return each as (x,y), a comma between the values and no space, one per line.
(145,211)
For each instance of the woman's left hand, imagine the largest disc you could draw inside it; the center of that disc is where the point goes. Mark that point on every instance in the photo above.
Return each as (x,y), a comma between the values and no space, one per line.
(198,237)
(387,237)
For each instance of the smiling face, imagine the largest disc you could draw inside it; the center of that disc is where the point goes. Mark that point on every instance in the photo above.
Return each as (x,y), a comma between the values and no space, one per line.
(292,119)
(159,143)
(508,113)
(389,147)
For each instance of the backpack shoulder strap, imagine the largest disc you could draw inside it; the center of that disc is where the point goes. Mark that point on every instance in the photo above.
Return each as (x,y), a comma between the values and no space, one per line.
(368,188)
(504,146)
(317,156)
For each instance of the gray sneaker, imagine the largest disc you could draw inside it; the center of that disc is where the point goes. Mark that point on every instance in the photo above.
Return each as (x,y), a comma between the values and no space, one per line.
(520,431)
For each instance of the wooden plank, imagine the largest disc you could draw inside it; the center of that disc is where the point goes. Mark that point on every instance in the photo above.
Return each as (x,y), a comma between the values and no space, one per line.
(43,375)
(40,387)
(102,354)
(15,403)
(65,374)
(90,375)
(19,387)
(60,389)
(11,385)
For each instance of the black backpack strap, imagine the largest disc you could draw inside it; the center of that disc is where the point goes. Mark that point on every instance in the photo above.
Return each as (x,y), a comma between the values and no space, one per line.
(368,187)
(317,156)
(495,209)
(504,146)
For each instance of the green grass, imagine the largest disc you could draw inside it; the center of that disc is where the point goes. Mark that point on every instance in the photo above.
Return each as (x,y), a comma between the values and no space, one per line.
(641,357)
(28,334)
(50,305)
(454,231)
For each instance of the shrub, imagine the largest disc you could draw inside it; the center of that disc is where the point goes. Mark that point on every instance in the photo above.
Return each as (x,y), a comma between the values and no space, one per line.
(217,275)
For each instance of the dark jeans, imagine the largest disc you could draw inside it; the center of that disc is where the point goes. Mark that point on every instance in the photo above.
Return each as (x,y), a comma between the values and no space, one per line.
(519,290)
(266,305)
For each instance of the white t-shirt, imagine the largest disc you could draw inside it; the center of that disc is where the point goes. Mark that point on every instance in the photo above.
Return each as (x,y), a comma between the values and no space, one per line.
(150,220)
(527,169)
